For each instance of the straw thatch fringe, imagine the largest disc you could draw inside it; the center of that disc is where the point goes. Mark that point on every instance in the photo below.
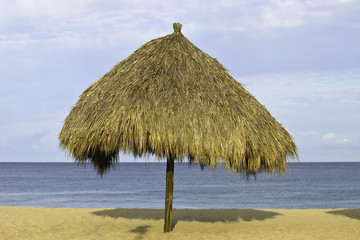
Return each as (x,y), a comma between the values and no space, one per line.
(170,98)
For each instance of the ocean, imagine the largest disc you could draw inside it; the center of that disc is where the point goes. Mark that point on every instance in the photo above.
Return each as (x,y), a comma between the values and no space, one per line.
(142,185)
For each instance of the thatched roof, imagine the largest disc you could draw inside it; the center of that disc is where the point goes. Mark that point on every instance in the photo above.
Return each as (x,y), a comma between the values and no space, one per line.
(171,99)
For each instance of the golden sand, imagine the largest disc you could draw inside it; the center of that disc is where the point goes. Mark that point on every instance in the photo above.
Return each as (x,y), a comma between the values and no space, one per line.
(137,224)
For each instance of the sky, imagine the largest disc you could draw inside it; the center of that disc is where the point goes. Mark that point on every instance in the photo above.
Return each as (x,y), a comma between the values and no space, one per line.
(299,58)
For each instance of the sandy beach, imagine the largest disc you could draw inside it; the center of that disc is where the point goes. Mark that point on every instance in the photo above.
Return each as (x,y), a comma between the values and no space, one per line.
(136,224)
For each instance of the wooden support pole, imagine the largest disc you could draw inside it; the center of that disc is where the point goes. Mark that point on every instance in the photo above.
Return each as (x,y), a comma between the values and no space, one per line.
(169,194)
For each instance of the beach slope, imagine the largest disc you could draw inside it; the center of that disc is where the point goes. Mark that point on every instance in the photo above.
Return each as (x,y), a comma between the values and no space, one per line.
(137,224)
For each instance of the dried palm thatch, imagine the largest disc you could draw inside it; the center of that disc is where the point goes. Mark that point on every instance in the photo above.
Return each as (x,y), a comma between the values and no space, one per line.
(172,100)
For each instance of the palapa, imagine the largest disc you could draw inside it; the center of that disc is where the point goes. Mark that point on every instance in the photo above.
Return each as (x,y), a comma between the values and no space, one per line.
(172,100)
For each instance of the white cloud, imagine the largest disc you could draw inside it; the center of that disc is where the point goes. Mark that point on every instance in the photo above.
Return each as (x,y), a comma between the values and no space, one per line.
(333,138)
(342,140)
(329,137)
(110,22)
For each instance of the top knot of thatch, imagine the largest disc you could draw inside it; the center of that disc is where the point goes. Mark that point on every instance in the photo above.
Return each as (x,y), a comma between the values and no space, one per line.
(177,27)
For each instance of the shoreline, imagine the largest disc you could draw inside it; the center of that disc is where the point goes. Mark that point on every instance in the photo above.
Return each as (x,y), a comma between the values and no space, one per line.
(103,223)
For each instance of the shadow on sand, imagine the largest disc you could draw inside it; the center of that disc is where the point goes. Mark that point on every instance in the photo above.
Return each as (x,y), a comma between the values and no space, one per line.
(199,215)
(140,231)
(351,213)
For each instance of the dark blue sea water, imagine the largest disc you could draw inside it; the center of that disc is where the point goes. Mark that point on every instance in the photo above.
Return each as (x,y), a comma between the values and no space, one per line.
(142,185)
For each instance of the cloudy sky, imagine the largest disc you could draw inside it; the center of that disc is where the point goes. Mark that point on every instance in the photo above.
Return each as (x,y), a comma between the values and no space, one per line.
(299,58)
